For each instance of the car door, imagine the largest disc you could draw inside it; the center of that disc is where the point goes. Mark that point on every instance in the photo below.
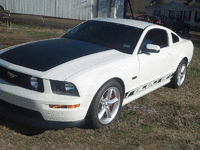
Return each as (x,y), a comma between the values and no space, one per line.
(154,65)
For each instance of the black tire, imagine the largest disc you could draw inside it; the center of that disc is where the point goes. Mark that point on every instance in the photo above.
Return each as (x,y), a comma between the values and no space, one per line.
(1,11)
(180,74)
(105,106)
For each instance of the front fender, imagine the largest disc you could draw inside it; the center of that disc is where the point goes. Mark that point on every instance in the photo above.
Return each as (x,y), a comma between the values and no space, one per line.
(89,81)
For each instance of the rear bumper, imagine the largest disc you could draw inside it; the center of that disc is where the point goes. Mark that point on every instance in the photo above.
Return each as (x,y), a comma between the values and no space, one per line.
(33,118)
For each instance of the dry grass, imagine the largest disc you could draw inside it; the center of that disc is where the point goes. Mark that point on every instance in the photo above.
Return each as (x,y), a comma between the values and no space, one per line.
(164,119)
(21,34)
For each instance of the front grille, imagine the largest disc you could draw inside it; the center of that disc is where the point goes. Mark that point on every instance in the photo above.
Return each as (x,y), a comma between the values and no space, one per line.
(19,79)
(19,111)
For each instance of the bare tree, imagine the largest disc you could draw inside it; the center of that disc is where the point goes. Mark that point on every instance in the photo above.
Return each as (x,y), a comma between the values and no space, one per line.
(188,2)
(157,2)
(127,3)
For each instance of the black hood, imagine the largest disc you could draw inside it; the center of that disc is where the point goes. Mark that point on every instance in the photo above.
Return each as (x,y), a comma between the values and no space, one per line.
(44,55)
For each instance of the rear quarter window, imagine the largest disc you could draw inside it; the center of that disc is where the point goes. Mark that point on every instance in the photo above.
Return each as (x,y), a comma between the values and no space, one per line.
(175,38)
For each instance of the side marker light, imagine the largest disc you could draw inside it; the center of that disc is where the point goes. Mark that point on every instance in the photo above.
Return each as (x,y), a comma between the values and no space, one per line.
(64,106)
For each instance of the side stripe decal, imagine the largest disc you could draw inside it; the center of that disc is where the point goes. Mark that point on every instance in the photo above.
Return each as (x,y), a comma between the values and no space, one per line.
(150,84)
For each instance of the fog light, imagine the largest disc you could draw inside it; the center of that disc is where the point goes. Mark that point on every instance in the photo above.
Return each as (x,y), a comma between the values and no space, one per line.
(64,106)
(34,82)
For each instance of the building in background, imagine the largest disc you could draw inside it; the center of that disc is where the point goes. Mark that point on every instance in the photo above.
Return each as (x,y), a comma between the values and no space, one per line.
(172,10)
(139,6)
(178,12)
(70,9)
(193,16)
(87,9)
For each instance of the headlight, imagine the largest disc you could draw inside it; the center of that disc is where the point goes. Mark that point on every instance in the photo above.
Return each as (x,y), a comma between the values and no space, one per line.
(34,83)
(64,88)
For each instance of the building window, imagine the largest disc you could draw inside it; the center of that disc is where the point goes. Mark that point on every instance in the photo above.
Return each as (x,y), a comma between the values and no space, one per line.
(157,12)
(197,16)
(187,15)
(175,15)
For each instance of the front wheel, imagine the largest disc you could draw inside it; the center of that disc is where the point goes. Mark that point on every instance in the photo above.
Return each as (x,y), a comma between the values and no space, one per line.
(180,75)
(105,105)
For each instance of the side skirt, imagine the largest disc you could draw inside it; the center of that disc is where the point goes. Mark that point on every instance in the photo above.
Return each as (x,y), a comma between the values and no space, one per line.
(131,97)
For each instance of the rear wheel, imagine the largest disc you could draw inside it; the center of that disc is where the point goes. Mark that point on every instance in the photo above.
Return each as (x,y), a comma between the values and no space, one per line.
(105,105)
(180,75)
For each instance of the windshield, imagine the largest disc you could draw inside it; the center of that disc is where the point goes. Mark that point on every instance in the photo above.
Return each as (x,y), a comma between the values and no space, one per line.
(115,36)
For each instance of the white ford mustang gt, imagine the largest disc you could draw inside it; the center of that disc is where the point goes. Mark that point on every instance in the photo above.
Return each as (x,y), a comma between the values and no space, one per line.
(86,75)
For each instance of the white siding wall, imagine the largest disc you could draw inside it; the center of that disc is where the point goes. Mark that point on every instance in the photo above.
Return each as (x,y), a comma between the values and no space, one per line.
(72,9)
(192,19)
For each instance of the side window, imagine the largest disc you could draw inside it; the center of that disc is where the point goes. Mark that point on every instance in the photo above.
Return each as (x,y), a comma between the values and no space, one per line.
(175,38)
(157,37)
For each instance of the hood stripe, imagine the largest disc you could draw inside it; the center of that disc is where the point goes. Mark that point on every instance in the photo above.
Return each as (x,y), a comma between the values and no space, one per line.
(44,55)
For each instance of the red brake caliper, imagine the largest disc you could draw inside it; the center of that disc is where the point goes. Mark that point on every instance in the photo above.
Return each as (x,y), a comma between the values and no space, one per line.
(112,105)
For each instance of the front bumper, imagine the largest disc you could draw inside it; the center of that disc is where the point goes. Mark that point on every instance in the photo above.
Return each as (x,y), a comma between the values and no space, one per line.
(32,108)
(33,118)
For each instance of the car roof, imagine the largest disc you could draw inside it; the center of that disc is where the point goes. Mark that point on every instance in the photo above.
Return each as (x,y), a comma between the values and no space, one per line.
(129,22)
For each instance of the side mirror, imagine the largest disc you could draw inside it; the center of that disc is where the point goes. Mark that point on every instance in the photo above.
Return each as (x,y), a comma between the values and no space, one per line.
(69,29)
(151,48)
